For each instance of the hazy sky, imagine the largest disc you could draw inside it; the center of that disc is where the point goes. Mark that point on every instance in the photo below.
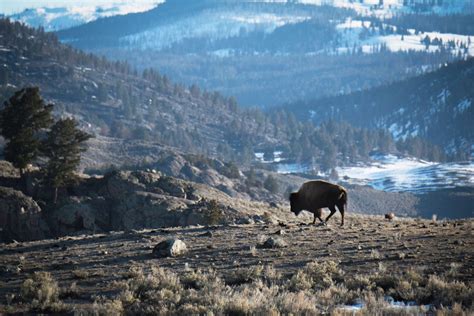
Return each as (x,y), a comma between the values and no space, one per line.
(14,6)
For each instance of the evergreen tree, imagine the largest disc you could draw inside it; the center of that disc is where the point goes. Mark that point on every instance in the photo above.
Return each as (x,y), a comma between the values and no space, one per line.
(21,118)
(63,148)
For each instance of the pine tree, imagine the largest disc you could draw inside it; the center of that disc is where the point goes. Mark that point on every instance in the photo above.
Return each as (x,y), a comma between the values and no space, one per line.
(63,148)
(21,119)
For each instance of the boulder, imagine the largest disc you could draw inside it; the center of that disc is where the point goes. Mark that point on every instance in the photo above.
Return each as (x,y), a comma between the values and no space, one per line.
(172,165)
(119,183)
(274,242)
(82,214)
(20,217)
(172,186)
(169,248)
(140,210)
(146,178)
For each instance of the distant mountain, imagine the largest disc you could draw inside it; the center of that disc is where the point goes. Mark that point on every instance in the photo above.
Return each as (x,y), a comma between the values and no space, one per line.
(57,18)
(267,53)
(438,106)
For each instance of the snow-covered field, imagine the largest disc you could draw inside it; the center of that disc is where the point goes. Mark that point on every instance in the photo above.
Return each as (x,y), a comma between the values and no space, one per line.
(352,34)
(396,174)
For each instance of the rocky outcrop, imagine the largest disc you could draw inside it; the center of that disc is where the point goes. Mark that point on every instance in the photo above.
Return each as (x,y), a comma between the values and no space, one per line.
(20,217)
(76,214)
(124,200)
(170,248)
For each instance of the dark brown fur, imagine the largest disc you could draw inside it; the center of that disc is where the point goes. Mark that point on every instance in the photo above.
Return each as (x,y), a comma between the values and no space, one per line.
(313,196)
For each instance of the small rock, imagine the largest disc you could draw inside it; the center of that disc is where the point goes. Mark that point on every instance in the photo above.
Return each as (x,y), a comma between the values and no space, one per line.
(274,243)
(390,216)
(245,221)
(170,248)
(258,219)
(273,205)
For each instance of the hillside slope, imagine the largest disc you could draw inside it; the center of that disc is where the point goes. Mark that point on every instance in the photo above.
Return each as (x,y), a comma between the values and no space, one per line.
(112,100)
(435,106)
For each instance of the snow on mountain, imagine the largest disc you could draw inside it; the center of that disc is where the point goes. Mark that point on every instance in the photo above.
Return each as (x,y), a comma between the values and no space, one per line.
(402,174)
(354,33)
(386,8)
(57,18)
(211,24)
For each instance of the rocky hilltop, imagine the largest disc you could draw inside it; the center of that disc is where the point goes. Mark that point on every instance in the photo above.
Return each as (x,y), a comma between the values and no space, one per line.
(176,193)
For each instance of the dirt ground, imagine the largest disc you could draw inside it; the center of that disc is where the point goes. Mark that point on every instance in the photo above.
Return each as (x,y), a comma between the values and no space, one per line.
(365,243)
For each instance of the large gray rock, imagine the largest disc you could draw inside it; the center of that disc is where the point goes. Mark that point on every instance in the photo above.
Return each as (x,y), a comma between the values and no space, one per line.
(172,186)
(82,214)
(20,217)
(172,165)
(121,183)
(147,210)
(170,248)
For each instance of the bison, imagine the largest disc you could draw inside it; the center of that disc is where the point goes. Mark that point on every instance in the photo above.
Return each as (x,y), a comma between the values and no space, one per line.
(313,196)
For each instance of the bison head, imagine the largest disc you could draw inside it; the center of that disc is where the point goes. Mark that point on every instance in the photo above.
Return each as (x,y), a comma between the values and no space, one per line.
(294,203)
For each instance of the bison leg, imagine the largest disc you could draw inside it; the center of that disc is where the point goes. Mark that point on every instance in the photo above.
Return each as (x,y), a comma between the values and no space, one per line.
(317,214)
(333,210)
(341,208)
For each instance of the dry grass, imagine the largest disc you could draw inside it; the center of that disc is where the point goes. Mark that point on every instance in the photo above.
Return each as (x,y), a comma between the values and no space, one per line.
(41,292)
(321,272)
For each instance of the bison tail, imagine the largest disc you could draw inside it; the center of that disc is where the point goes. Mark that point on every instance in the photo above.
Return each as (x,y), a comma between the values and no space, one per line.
(343,197)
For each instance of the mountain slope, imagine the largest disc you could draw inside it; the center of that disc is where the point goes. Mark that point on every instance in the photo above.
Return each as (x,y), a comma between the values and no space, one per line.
(110,99)
(267,53)
(435,106)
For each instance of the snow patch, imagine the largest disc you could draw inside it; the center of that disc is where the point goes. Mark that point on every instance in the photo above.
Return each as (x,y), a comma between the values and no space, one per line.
(403,174)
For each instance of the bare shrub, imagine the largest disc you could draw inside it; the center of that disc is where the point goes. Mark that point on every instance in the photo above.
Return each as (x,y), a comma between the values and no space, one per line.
(157,279)
(42,291)
(300,303)
(199,280)
(245,275)
(442,292)
(384,281)
(323,274)
(300,281)
(105,306)
(250,299)
(359,282)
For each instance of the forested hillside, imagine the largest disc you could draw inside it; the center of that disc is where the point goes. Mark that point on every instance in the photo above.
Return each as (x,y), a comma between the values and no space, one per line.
(435,106)
(112,100)
(267,53)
